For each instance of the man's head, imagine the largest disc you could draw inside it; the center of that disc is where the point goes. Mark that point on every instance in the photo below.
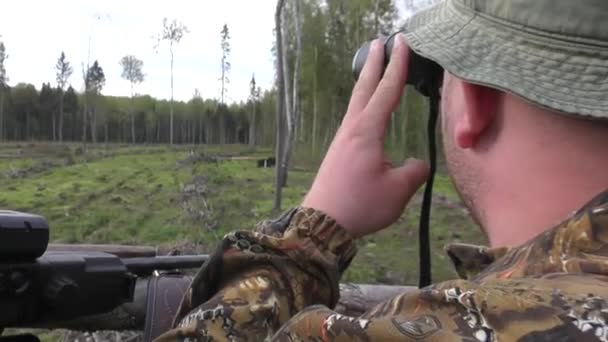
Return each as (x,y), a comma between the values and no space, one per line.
(500,149)
(524,105)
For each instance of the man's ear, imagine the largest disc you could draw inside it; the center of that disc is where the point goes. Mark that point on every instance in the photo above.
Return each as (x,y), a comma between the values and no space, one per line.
(480,106)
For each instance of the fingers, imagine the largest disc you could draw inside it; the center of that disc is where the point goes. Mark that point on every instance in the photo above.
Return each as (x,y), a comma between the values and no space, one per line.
(389,91)
(369,78)
(409,177)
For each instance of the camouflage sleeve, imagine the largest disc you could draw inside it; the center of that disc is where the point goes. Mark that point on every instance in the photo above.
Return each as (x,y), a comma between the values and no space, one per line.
(562,307)
(256,281)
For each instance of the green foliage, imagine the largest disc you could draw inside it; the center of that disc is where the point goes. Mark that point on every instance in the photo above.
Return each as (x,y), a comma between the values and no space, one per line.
(95,78)
(3,57)
(132,69)
(63,71)
(70,104)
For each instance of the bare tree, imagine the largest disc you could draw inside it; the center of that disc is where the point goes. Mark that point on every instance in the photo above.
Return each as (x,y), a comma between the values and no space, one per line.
(287,118)
(254,95)
(226,66)
(292,114)
(280,134)
(95,80)
(132,72)
(172,32)
(63,71)
(3,82)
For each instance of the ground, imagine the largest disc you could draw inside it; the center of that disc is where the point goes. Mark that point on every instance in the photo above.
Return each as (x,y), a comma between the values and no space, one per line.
(187,198)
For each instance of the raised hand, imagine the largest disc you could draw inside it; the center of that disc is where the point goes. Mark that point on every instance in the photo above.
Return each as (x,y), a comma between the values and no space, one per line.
(356,184)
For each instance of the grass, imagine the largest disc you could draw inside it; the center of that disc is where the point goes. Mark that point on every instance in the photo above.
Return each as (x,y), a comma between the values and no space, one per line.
(135,195)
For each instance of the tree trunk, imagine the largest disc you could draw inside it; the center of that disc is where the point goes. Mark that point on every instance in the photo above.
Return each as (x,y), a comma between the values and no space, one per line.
(193,132)
(200,130)
(171,109)
(85,114)
(53,127)
(223,78)
(60,124)
(280,133)
(1,114)
(301,136)
(132,117)
(93,123)
(292,105)
(288,109)
(209,131)
(158,131)
(105,132)
(27,125)
(252,127)
(222,129)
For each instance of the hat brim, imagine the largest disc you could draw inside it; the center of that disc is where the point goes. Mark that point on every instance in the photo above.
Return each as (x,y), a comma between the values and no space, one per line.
(561,73)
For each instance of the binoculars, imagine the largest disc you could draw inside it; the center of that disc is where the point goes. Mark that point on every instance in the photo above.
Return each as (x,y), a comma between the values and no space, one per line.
(423,74)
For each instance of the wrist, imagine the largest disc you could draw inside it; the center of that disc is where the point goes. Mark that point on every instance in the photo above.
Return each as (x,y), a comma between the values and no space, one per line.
(330,209)
(326,234)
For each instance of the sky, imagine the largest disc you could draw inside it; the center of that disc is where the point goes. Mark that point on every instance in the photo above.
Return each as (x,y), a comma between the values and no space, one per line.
(35,33)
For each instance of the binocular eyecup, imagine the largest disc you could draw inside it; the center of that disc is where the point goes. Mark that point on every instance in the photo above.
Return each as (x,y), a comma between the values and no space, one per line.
(423,74)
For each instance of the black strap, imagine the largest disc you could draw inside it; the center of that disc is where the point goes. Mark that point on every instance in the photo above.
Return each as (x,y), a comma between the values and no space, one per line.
(425,211)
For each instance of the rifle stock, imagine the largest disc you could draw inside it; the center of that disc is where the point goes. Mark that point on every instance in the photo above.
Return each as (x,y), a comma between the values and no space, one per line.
(355,299)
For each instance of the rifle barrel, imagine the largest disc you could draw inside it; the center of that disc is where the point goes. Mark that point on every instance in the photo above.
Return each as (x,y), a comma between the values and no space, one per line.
(146,266)
(121,251)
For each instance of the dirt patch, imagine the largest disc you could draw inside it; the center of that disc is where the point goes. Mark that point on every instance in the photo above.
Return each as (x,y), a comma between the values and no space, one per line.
(39,167)
(195,202)
(194,158)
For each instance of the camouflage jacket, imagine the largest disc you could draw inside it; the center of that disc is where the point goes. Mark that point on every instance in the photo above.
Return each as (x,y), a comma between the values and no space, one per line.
(280,282)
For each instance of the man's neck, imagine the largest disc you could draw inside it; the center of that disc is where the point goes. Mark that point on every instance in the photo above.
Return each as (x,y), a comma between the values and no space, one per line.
(519,211)
(542,191)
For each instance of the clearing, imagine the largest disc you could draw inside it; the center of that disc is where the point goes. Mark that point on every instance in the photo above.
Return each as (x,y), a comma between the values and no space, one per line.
(189,197)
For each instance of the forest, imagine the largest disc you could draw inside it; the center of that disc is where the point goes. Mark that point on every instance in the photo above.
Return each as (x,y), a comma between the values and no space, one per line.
(319,39)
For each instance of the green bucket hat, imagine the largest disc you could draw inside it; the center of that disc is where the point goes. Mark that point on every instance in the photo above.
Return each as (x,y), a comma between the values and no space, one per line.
(554,53)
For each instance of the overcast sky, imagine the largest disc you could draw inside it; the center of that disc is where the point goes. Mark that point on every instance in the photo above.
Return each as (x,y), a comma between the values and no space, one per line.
(35,33)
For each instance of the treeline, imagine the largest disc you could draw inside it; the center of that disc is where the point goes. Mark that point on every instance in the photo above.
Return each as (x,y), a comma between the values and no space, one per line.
(320,39)
(34,114)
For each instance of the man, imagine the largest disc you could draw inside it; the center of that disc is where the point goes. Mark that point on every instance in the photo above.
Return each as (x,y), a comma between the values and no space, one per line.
(523,103)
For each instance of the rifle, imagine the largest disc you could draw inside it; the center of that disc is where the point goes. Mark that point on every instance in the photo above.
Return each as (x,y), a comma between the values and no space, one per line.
(106,287)
(42,288)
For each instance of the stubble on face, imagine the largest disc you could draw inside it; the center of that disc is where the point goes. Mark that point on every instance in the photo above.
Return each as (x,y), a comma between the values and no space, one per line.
(461,168)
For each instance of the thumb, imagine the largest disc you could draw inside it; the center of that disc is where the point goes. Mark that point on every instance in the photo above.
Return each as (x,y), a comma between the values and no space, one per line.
(409,177)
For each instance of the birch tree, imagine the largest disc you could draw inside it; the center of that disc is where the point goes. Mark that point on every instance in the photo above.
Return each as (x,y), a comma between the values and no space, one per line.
(280,121)
(63,71)
(254,95)
(172,33)
(132,72)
